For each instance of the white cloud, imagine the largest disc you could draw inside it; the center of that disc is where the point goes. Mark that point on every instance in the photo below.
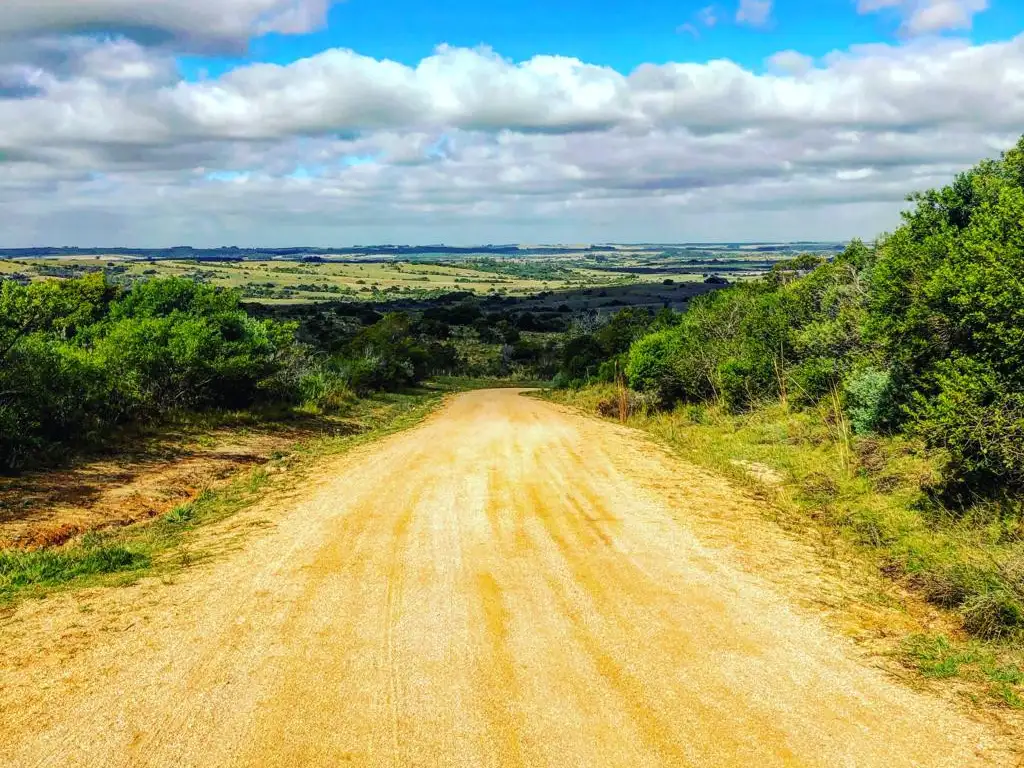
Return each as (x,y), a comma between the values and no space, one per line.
(901,88)
(754,12)
(102,142)
(925,17)
(209,24)
(790,63)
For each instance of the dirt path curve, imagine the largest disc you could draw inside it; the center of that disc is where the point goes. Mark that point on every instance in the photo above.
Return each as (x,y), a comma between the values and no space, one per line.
(507,585)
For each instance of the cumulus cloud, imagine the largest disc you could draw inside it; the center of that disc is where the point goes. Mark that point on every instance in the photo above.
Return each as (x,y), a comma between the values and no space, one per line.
(925,17)
(900,88)
(101,141)
(201,24)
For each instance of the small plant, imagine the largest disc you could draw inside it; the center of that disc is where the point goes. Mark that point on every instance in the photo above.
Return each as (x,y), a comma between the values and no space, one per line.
(994,614)
(181,515)
(623,395)
(935,656)
(837,418)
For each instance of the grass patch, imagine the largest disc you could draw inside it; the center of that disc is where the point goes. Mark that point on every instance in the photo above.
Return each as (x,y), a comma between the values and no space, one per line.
(42,569)
(938,657)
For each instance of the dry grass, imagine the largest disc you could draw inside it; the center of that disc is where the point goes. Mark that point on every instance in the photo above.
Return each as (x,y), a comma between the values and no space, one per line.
(120,556)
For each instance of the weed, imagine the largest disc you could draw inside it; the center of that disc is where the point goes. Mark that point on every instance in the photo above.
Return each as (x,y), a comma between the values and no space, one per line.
(993,614)
(257,479)
(1008,696)
(1010,674)
(181,515)
(819,487)
(21,570)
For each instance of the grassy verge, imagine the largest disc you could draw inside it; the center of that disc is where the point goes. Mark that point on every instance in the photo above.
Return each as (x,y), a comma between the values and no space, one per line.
(872,493)
(122,556)
(466,383)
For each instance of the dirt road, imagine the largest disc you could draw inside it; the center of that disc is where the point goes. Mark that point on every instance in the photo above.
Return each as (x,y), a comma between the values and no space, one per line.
(509,584)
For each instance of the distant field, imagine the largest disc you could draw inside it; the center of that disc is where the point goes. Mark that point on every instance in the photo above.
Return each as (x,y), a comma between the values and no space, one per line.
(623,275)
(280,281)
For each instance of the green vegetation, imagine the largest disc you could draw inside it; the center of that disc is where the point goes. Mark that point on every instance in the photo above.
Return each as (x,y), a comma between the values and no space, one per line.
(80,357)
(89,364)
(878,393)
(47,568)
(293,282)
(921,334)
(887,384)
(597,353)
(936,656)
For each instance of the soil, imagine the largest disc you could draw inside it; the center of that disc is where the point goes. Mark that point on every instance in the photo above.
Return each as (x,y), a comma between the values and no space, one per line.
(508,584)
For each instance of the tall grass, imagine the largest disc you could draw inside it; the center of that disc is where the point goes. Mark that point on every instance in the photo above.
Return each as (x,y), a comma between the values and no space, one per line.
(873,492)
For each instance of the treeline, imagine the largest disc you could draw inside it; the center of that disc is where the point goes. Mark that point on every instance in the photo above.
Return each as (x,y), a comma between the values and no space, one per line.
(921,333)
(462,333)
(80,357)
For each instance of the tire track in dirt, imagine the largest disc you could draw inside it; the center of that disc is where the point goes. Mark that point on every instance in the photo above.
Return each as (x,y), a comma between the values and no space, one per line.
(509,584)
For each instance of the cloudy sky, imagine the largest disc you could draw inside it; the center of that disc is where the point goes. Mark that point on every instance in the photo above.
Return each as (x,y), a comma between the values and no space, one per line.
(312,122)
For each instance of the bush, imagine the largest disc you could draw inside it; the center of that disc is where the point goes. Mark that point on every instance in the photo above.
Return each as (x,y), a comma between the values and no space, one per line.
(869,400)
(921,333)
(79,357)
(732,345)
(947,306)
(325,391)
(653,366)
(994,614)
(978,421)
(582,357)
(635,403)
(394,353)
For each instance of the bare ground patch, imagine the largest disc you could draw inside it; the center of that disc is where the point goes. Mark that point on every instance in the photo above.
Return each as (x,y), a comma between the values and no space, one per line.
(47,508)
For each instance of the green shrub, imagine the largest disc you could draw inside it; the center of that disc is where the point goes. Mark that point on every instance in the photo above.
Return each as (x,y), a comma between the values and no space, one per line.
(582,357)
(947,306)
(994,614)
(978,420)
(325,391)
(921,333)
(653,367)
(869,400)
(78,357)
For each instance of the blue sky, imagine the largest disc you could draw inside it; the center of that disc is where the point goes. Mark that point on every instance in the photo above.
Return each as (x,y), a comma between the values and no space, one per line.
(130,123)
(621,35)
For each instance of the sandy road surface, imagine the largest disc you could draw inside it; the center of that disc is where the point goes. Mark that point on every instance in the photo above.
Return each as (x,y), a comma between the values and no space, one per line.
(507,585)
